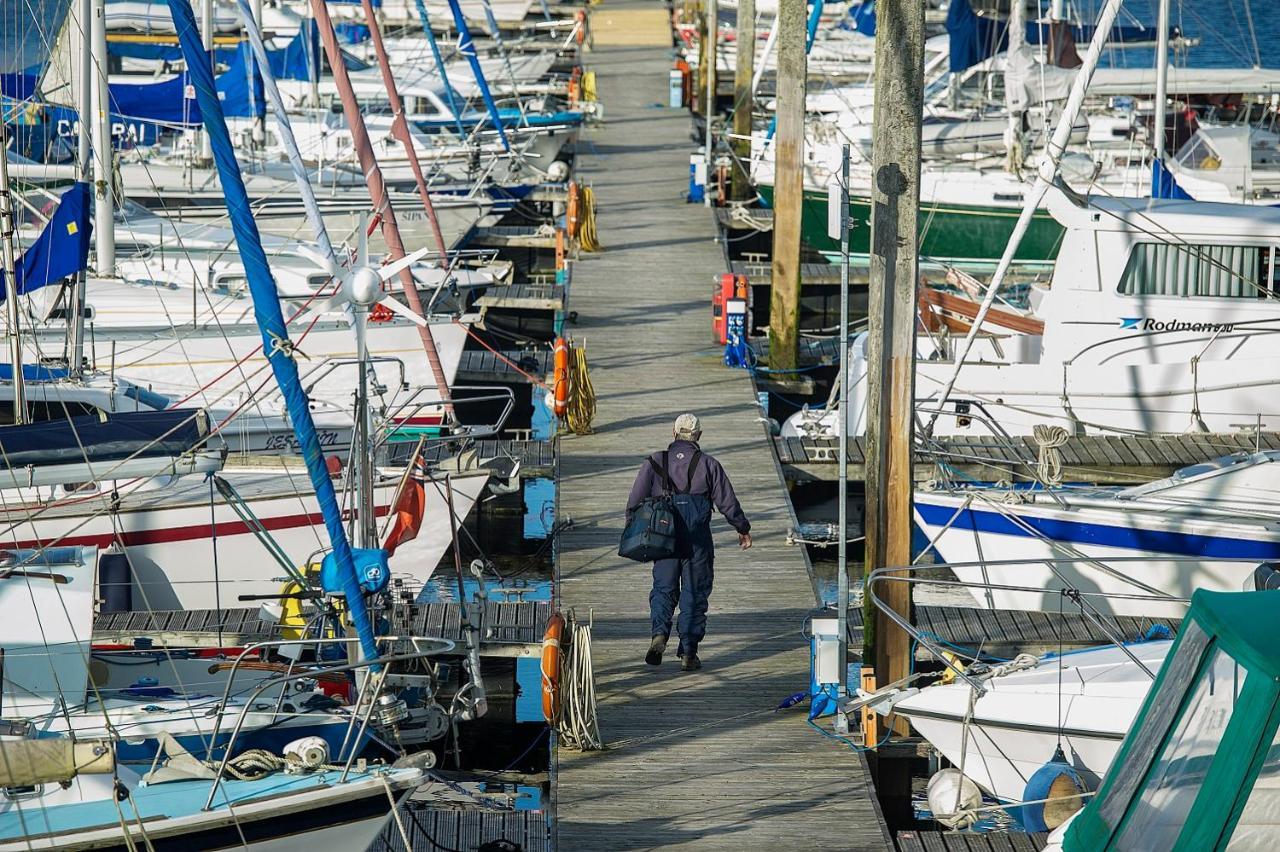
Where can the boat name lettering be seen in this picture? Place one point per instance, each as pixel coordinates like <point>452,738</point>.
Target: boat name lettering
<point>1151,324</point>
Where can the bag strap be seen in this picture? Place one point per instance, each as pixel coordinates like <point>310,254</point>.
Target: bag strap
<point>664,474</point>
<point>693,468</point>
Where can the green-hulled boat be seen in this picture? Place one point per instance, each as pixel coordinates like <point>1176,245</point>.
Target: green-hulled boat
<point>959,234</point>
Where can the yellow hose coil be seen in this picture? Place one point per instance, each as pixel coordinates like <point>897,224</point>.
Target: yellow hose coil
<point>587,238</point>
<point>582,395</point>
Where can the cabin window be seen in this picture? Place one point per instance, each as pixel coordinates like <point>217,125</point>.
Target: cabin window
<point>1200,271</point>
<point>1164,801</point>
<point>39,412</point>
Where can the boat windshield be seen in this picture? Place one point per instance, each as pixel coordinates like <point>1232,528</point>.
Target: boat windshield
<point>1197,153</point>
<point>1161,808</point>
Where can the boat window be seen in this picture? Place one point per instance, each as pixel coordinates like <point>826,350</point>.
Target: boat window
<point>38,412</point>
<point>1164,802</point>
<point>1200,271</point>
<point>1197,153</point>
<point>1256,829</point>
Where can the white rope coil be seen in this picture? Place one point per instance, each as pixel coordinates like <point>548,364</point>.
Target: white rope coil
<point>577,725</point>
<point>1049,464</point>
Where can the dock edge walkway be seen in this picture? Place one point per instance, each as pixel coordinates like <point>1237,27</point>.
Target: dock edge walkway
<point>697,760</point>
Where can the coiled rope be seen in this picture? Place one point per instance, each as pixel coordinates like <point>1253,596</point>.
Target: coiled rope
<point>588,239</point>
<point>581,410</point>
<point>258,763</point>
<point>577,724</point>
<point>1049,462</point>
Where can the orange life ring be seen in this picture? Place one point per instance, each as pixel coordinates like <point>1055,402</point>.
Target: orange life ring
<point>560,382</point>
<point>581,18</point>
<point>571,210</point>
<point>551,667</point>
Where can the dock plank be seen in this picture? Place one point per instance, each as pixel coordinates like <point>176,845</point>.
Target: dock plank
<point>698,760</point>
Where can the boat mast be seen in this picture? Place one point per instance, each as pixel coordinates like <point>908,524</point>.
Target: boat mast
<point>103,157</point>
<point>377,189</point>
<point>206,39</point>
<point>260,122</point>
<point>1046,174</point>
<point>1013,134</point>
<point>81,17</point>
<point>7,255</point>
<point>1162,88</point>
<point>400,128</point>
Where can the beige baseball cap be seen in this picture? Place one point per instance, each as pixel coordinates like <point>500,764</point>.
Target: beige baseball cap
<point>688,426</point>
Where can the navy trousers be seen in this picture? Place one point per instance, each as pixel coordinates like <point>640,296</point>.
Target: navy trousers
<point>685,581</point>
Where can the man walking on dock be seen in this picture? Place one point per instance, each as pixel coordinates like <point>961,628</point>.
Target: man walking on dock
<point>698,482</point>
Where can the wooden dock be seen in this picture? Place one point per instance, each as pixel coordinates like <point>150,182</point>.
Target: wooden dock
<point>964,841</point>
<point>509,628</point>
<point>698,760</point>
<point>1007,633</point>
<point>1101,459</point>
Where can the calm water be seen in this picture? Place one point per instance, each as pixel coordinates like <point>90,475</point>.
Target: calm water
<point>1222,26</point>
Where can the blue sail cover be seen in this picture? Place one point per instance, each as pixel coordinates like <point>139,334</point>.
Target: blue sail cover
<point>862,18</point>
<point>172,102</point>
<point>974,38</point>
<point>300,58</point>
<point>1164,184</point>
<point>297,60</point>
<point>270,318</point>
<point>62,249</point>
<point>349,32</point>
<point>157,52</point>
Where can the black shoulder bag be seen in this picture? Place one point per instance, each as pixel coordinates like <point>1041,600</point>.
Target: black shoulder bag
<point>650,533</point>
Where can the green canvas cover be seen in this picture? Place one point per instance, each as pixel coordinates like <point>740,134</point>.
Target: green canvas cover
<point>1204,737</point>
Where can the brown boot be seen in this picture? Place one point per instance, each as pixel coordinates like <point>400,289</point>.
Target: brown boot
<point>656,647</point>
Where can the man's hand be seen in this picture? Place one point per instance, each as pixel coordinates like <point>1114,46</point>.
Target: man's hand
<point>744,540</point>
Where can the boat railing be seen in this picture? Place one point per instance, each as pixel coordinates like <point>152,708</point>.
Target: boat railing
<point>1085,600</point>
<point>329,366</point>
<point>411,407</point>
<point>436,646</point>
<point>976,410</point>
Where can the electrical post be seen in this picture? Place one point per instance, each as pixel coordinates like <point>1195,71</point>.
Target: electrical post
<point>842,588</point>
<point>743,100</point>
<point>788,188</point>
<point>895,188</point>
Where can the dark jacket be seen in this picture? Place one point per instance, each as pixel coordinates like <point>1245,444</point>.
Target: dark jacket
<point>709,479</point>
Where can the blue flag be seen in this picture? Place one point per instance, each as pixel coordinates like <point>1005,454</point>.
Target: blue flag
<point>62,249</point>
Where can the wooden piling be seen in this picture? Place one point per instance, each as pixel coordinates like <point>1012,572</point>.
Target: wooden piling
<point>788,146</point>
<point>743,97</point>
<point>899,75</point>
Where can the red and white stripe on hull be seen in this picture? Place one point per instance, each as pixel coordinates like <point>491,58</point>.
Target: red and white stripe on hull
<point>188,549</point>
